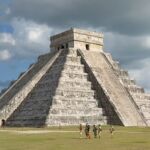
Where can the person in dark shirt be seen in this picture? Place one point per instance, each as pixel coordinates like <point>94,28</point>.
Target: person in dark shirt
<point>80,129</point>
<point>95,131</point>
<point>87,131</point>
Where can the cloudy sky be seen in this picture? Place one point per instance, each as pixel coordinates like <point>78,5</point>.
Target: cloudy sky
<point>25,27</point>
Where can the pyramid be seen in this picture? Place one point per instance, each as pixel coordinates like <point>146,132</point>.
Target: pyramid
<point>77,82</point>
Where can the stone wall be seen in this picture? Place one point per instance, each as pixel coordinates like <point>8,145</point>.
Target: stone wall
<point>77,38</point>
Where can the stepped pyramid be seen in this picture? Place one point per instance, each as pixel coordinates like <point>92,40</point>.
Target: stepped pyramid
<point>77,82</point>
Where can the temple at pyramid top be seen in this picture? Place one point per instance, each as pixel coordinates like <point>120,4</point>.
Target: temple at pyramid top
<point>77,38</point>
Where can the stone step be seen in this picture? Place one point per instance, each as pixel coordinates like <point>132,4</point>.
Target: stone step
<point>44,57</point>
<point>24,114</point>
<point>126,81</point>
<point>70,93</point>
<point>38,99</point>
<point>27,118</point>
<point>63,102</point>
<point>141,96</point>
<point>121,73</point>
<point>116,65</point>
<point>35,119</point>
<point>80,99</point>
<point>73,76</point>
<point>66,84</point>
<point>56,73</point>
<point>68,67</point>
<point>71,103</point>
<point>142,102</point>
<point>30,112</point>
<point>67,59</point>
<point>76,116</point>
<point>25,123</point>
<point>79,73</point>
<point>98,115</point>
<point>69,52</point>
<point>148,121</point>
<point>40,94</point>
<point>73,68</point>
<point>76,120</point>
<point>147,96</point>
<point>74,104</point>
<point>125,78</point>
<point>62,90</point>
<point>64,77</point>
<point>146,113</point>
<point>33,108</point>
<point>134,88</point>
<point>59,120</point>
<point>75,93</point>
<point>30,116</point>
<point>56,111</point>
<point>78,111</point>
<point>73,59</point>
<point>34,102</point>
<point>75,84</point>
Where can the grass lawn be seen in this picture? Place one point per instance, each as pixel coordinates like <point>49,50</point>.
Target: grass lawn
<point>125,138</point>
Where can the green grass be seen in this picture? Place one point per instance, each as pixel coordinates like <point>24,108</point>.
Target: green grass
<point>125,138</point>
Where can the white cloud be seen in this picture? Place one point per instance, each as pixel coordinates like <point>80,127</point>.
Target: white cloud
<point>5,55</point>
<point>146,42</point>
<point>7,38</point>
<point>142,75</point>
<point>34,34</point>
<point>30,38</point>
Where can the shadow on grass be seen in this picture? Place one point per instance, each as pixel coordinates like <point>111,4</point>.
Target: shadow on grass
<point>78,138</point>
<point>51,139</point>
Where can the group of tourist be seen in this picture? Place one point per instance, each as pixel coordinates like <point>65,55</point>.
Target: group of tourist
<point>97,130</point>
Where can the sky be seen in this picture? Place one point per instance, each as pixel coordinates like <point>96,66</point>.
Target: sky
<point>26,25</point>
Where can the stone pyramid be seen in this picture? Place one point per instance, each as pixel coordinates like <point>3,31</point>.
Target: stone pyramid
<point>77,82</point>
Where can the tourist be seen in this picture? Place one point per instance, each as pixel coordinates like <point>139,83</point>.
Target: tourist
<point>99,131</point>
<point>111,130</point>
<point>80,129</point>
<point>3,123</point>
<point>95,131</point>
<point>87,131</point>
